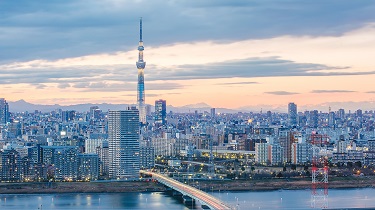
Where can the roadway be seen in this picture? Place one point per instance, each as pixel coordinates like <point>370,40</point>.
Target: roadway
<point>203,197</point>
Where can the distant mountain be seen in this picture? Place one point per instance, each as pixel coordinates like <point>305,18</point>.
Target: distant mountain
<point>197,106</point>
<point>22,106</point>
<point>265,108</point>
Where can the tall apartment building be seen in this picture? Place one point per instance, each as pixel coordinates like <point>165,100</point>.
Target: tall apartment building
<point>301,153</point>
<point>123,140</point>
<point>10,166</point>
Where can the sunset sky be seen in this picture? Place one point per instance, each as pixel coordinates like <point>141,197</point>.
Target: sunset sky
<point>224,53</point>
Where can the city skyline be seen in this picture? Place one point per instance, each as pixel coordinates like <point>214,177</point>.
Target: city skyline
<point>313,54</point>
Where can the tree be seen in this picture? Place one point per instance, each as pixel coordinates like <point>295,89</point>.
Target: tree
<point>279,175</point>
<point>293,167</point>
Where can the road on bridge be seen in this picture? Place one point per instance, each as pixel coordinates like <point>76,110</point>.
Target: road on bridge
<point>199,195</point>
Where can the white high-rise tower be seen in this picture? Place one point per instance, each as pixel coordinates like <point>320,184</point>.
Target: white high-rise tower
<point>141,82</point>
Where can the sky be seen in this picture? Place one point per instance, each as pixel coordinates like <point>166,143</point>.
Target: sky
<point>230,54</point>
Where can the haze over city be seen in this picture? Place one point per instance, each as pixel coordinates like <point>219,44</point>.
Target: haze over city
<point>226,54</point>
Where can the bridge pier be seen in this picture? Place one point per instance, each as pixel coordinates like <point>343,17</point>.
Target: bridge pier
<point>205,207</point>
<point>176,193</point>
<point>188,200</point>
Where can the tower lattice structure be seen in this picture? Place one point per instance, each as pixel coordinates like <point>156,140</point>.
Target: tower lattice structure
<point>319,171</point>
<point>141,64</point>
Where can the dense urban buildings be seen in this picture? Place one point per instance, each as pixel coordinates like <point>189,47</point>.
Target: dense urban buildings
<point>69,145</point>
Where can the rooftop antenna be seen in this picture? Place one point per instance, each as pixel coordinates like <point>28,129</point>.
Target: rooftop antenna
<point>140,29</point>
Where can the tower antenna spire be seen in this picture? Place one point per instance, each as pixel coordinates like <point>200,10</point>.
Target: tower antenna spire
<point>140,29</point>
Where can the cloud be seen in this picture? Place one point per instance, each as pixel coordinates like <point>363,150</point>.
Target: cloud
<point>63,85</point>
<point>252,68</point>
<point>281,93</point>
<point>61,29</point>
<point>40,86</point>
<point>333,91</point>
<point>370,92</point>
<point>238,83</point>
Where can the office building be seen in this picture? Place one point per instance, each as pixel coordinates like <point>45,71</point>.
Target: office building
<point>123,140</point>
<point>292,114</point>
<point>160,111</point>
<point>4,111</point>
<point>213,112</point>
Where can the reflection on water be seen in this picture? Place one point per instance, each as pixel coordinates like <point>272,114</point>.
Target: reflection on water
<point>156,200</point>
<point>299,199</point>
<point>285,199</point>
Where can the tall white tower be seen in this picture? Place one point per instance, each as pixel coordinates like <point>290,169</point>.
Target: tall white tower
<point>141,82</point>
<point>123,136</point>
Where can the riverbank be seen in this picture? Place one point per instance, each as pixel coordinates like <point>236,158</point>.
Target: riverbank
<point>207,185</point>
<point>283,184</point>
<point>79,187</point>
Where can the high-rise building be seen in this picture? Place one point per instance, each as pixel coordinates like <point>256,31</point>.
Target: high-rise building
<point>147,157</point>
<point>301,153</point>
<point>341,113</point>
<point>88,167</point>
<point>286,139</point>
<point>10,162</point>
<point>160,111</point>
<point>331,119</point>
<point>313,119</point>
<point>4,111</point>
<point>141,83</point>
<point>292,114</point>
<point>213,113</point>
<point>123,140</point>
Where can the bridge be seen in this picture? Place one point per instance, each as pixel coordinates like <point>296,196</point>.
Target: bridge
<point>204,198</point>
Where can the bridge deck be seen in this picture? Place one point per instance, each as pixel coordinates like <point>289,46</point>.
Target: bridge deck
<point>197,194</point>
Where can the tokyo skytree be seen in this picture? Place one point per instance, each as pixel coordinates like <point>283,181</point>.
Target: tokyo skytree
<point>141,64</point>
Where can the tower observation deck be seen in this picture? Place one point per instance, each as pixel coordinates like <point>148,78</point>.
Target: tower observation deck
<point>141,64</point>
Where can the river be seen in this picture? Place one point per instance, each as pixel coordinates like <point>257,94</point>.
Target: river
<point>285,199</point>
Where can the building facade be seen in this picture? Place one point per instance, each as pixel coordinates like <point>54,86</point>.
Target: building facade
<point>160,112</point>
<point>4,111</point>
<point>123,140</point>
<point>292,114</point>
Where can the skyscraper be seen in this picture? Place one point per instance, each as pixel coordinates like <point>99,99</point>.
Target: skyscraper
<point>123,136</point>
<point>313,119</point>
<point>4,111</point>
<point>141,83</point>
<point>292,114</point>
<point>160,111</point>
<point>213,112</point>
